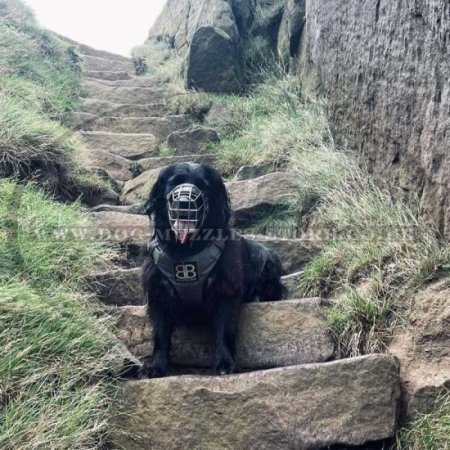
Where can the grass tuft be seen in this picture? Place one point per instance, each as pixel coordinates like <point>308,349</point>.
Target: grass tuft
<point>429,431</point>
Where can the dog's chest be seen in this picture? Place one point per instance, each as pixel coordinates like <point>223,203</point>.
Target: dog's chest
<point>188,274</point>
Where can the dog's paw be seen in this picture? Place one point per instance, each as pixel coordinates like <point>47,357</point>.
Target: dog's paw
<point>224,365</point>
<point>152,370</point>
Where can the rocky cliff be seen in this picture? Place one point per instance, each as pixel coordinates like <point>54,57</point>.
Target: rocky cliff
<point>384,68</point>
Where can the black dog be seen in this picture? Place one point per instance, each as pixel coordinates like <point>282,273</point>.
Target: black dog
<point>197,267</point>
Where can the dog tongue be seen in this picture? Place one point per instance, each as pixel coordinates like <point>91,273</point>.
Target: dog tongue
<point>183,236</point>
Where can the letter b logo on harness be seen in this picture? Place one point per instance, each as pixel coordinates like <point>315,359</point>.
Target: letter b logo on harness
<point>185,273</point>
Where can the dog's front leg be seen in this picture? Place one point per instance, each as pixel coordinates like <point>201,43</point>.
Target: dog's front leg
<point>225,325</point>
<point>158,365</point>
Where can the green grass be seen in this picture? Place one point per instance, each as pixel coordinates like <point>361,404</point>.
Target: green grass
<point>55,385</point>
<point>40,81</point>
<point>156,59</point>
<point>429,431</point>
<point>56,382</point>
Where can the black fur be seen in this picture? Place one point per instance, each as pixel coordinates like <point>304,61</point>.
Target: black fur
<point>239,276</point>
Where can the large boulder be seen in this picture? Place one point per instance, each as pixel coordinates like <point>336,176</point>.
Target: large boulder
<point>350,402</point>
<point>213,62</point>
<point>251,199</point>
<point>180,19</point>
<point>271,334</point>
<point>155,163</point>
<point>385,69</point>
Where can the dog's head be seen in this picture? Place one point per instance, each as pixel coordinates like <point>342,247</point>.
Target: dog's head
<point>187,198</point>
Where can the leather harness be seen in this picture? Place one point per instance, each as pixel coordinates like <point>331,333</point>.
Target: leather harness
<point>187,274</point>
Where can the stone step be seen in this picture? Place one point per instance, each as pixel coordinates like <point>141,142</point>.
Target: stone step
<point>122,287</point>
<point>102,108</point>
<point>90,62</point>
<point>162,161</point>
<point>128,82</point>
<point>119,94</point>
<point>120,228</point>
<point>117,167</point>
<point>106,75</point>
<point>348,402</point>
<point>160,127</point>
<point>133,146</point>
<point>271,334</point>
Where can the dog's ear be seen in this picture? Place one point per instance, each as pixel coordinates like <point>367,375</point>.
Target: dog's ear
<point>156,196</point>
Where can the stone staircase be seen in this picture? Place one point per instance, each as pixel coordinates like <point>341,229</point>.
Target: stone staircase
<point>290,393</point>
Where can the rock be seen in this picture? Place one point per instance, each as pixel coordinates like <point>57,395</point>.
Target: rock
<point>116,166</point>
<point>107,65</point>
<point>157,163</point>
<point>387,84</point>
<point>120,361</point>
<point>249,172</point>
<point>251,199</point>
<point>180,19</point>
<point>313,406</point>
<point>160,127</point>
<point>218,116</point>
<point>292,28</point>
<point>119,227</point>
<point>294,253</point>
<point>271,334</point>
<point>129,145</point>
<point>423,348</point>
<point>102,91</point>
<point>136,82</point>
<point>213,62</point>
<point>105,75</point>
<point>192,141</point>
<point>119,287</point>
<point>243,13</point>
<point>138,188</point>
<point>102,108</point>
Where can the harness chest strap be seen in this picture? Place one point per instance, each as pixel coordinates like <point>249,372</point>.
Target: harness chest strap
<point>187,274</point>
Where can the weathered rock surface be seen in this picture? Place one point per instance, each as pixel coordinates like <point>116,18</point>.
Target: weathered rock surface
<point>271,334</point>
<point>213,62</point>
<point>127,209</point>
<point>102,108</point>
<point>156,163</point>
<point>313,406</point>
<point>118,227</point>
<point>423,348</point>
<point>129,145</point>
<point>194,140</point>
<point>160,127</point>
<point>387,80</point>
<point>116,166</point>
<point>252,198</point>
<point>121,287</point>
